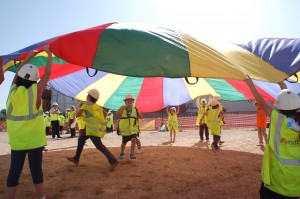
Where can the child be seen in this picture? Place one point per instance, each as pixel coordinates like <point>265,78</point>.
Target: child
<point>61,123</point>
<point>94,119</point>
<point>172,122</point>
<point>25,123</point>
<point>128,125</point>
<point>54,116</point>
<point>261,123</point>
<point>72,121</point>
<point>201,110</point>
<point>213,115</point>
<point>109,122</point>
<point>281,160</point>
<point>47,122</point>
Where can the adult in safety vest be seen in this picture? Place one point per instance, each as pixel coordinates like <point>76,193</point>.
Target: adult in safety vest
<point>128,125</point>
<point>213,115</point>
<point>54,116</point>
<point>72,120</point>
<point>25,123</point>
<point>94,120</point>
<point>202,108</point>
<point>281,161</point>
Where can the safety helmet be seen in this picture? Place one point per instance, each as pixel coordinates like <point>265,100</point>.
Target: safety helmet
<point>128,96</point>
<point>203,100</point>
<point>54,103</point>
<point>29,72</point>
<point>214,102</point>
<point>94,93</point>
<point>216,97</point>
<point>287,100</point>
<point>173,108</point>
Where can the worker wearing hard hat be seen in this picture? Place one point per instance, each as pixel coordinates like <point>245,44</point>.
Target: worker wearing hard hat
<point>128,125</point>
<point>54,116</point>
<point>281,161</point>
<point>95,128</point>
<point>25,123</point>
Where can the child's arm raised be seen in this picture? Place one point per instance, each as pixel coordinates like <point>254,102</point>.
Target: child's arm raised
<point>46,76</point>
<point>259,99</point>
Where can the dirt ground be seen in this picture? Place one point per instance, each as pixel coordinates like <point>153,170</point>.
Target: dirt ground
<point>185,169</point>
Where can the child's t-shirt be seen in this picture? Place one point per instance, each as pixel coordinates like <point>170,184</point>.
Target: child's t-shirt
<point>292,124</point>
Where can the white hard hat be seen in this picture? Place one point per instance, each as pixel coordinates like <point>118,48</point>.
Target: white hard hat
<point>29,72</point>
<point>203,100</point>
<point>94,93</point>
<point>55,103</point>
<point>173,108</point>
<point>287,100</point>
<point>216,97</point>
<point>214,102</point>
<point>128,96</point>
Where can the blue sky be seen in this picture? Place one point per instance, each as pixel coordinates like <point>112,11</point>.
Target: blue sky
<point>26,22</point>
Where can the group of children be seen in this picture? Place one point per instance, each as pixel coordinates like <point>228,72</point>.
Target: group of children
<point>25,124</point>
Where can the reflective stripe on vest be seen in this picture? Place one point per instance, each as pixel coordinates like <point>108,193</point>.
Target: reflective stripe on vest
<point>25,121</point>
<point>283,161</point>
<point>30,116</point>
<point>94,119</point>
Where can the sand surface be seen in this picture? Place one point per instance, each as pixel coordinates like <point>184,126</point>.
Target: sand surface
<point>185,169</point>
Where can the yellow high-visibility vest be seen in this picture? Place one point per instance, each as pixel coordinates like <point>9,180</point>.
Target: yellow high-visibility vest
<point>129,125</point>
<point>201,111</point>
<point>281,161</point>
<point>94,119</point>
<point>213,121</point>
<point>25,122</point>
<point>47,121</point>
<point>71,115</point>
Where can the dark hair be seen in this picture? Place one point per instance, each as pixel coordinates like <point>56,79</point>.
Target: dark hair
<point>24,82</point>
<point>214,107</point>
<point>289,113</point>
<point>92,99</point>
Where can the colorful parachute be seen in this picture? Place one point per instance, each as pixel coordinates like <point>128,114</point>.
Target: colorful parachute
<point>154,93</point>
<point>147,51</point>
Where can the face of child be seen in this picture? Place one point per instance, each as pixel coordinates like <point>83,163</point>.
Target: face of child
<point>172,111</point>
<point>129,102</point>
<point>203,104</point>
<point>71,108</point>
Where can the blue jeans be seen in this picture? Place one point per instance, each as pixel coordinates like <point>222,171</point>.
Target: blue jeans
<point>35,158</point>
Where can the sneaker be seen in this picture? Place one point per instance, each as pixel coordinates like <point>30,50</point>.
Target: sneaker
<point>132,156</point>
<point>139,151</point>
<point>113,166</point>
<point>221,142</point>
<point>260,144</point>
<point>122,156</point>
<point>213,148</point>
<point>71,159</point>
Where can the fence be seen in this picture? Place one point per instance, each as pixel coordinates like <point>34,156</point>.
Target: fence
<point>189,122</point>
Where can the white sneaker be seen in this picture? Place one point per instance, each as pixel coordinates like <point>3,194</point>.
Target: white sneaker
<point>139,151</point>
